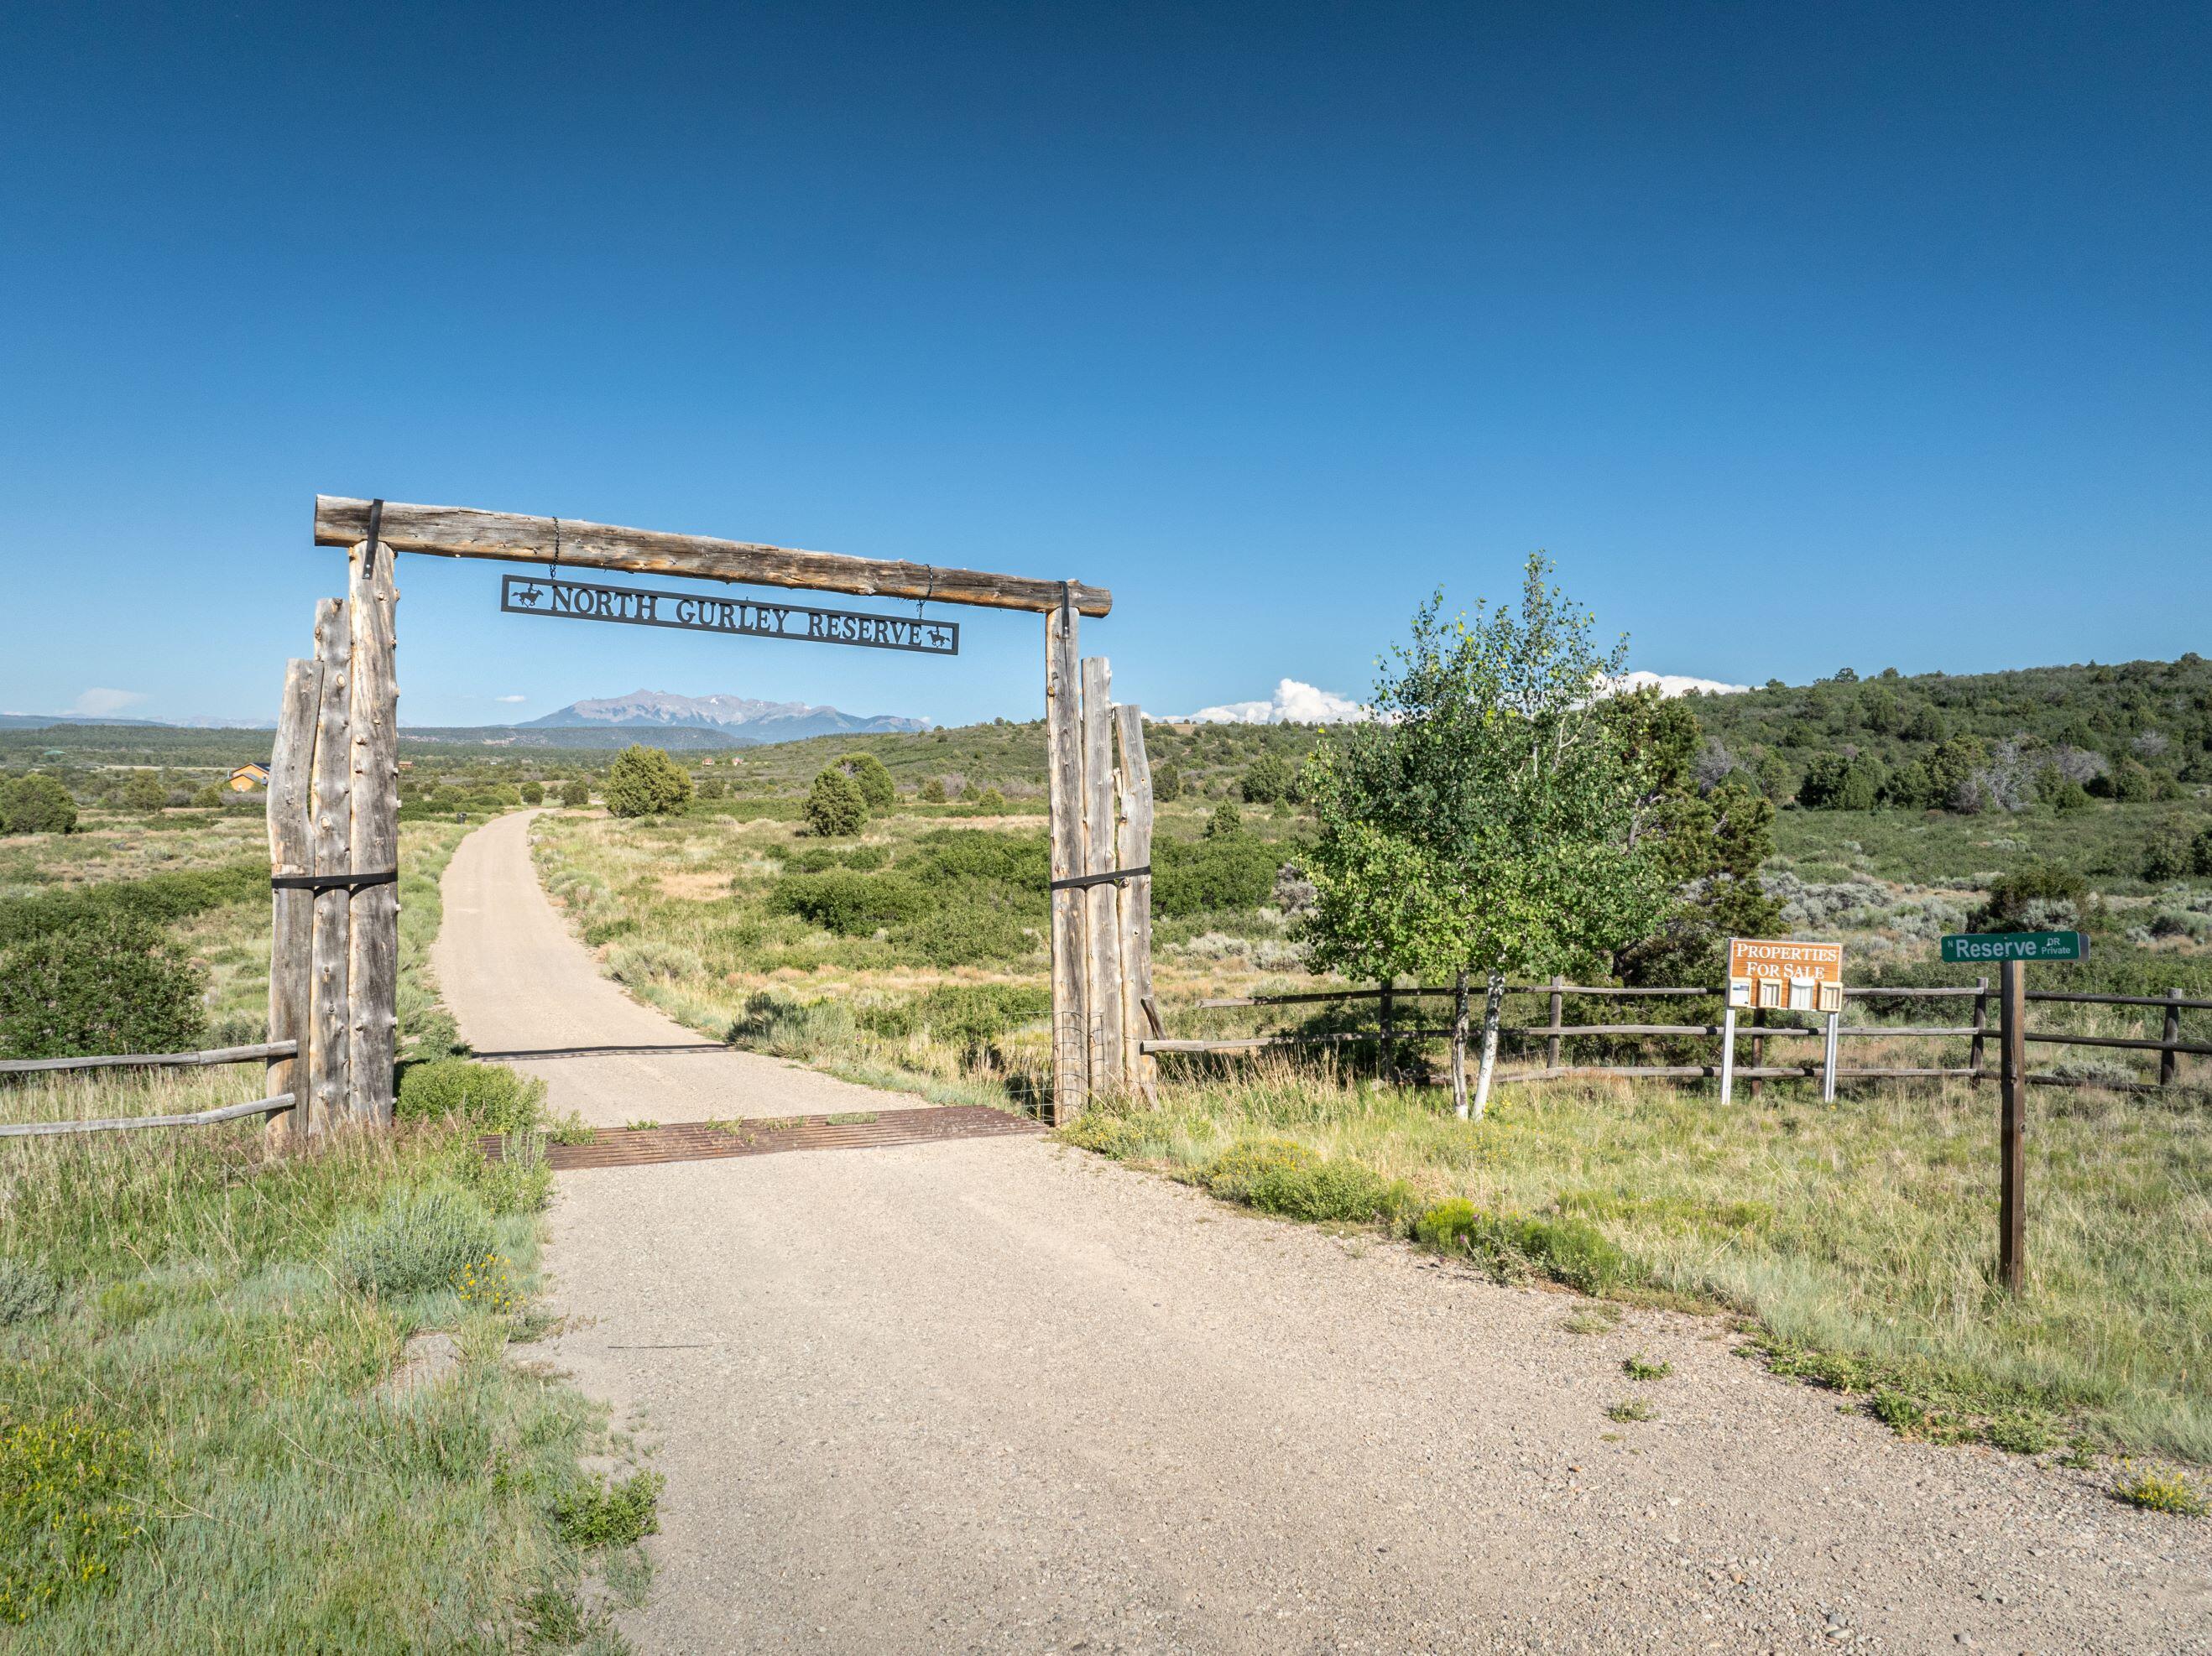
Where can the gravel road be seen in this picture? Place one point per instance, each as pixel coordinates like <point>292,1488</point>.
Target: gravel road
<point>1005,1396</point>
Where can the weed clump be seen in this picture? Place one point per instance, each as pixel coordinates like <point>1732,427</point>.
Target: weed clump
<point>1641,1367</point>
<point>26,1292</point>
<point>2159,1491</point>
<point>487,1095</point>
<point>1107,1132</point>
<point>1234,1173</point>
<point>1565,1249</point>
<point>68,1508</point>
<point>609,1513</point>
<point>419,1240</point>
<point>1631,1409</point>
<point>1334,1190</point>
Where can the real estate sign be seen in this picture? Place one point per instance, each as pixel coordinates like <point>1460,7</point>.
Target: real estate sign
<point>1971,948</point>
<point>1785,975</point>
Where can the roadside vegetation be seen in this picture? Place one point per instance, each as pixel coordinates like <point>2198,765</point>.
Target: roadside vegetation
<point>271,1401</point>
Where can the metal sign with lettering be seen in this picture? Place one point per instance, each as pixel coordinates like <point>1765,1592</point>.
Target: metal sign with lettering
<point>1968,948</point>
<point>693,612</point>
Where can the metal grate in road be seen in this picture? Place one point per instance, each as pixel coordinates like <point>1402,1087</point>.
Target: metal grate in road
<point>701,1141</point>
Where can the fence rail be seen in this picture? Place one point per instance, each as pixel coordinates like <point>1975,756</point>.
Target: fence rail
<point>122,1124</point>
<point>272,1049</point>
<point>1387,1034</point>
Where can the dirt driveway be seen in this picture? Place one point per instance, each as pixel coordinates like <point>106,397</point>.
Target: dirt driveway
<point>1003,1397</point>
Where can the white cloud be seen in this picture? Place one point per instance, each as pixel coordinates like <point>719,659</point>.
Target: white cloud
<point>510,699</point>
<point>1672,684</point>
<point>105,704</point>
<point>1293,703</point>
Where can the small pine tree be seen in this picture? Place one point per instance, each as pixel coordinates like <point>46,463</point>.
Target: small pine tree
<point>143,792</point>
<point>1267,780</point>
<point>209,797</point>
<point>1167,784</point>
<point>646,782</point>
<point>876,789</point>
<point>534,793</point>
<point>835,807</point>
<point>992,799</point>
<point>932,791</point>
<point>1227,822</point>
<point>575,791</point>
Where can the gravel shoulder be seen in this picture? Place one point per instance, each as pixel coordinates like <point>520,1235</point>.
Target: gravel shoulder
<point>1006,1396</point>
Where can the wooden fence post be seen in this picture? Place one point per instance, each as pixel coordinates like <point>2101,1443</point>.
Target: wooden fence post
<point>373,962</point>
<point>1976,1057</point>
<point>1388,1066</point>
<point>1459,1046</point>
<point>1133,785</point>
<point>2012,1153</point>
<point>1102,930</point>
<point>1071,1064</point>
<point>326,1050</point>
<point>291,911</point>
<point>2169,1061</point>
<point>1558,1007</point>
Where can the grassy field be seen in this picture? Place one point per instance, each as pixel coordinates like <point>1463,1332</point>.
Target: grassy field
<point>1855,1241</point>
<point>202,1446</point>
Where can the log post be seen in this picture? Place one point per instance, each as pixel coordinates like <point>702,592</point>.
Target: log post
<point>1102,930</point>
<point>1071,1067</point>
<point>1758,1049</point>
<point>1134,785</point>
<point>2011,1123</point>
<point>2169,1061</point>
<point>1976,1057</point>
<point>333,823</point>
<point>372,965</point>
<point>1388,1066</point>
<point>292,912</point>
<point>1558,1007</point>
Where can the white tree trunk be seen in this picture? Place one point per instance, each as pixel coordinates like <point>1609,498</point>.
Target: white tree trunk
<point>1493,1003</point>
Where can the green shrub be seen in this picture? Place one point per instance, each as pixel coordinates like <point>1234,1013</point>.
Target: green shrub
<point>605,1513</point>
<point>1167,784</point>
<point>868,774</point>
<point>113,985</point>
<point>534,793</point>
<point>850,904</point>
<point>210,797</point>
<point>2038,896</point>
<point>158,900</point>
<point>1107,1132</point>
<point>575,793</point>
<point>834,805</point>
<point>520,1181</point>
<point>70,1505</point>
<point>646,782</point>
<point>1565,1249</point>
<point>1335,1190</point>
<point>25,1291</point>
<point>1227,872</point>
<point>419,1240</point>
<point>967,1015</point>
<point>991,799</point>
<point>143,791</point>
<point>36,804</point>
<point>1227,822</point>
<point>1267,780</point>
<point>1646,1368</point>
<point>489,1096</point>
<point>931,792</point>
<point>1232,1173</point>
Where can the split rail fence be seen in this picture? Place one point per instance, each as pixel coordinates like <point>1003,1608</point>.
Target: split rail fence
<point>1388,1035</point>
<point>274,1107</point>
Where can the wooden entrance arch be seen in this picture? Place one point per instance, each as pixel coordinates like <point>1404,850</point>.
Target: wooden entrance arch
<point>334,797</point>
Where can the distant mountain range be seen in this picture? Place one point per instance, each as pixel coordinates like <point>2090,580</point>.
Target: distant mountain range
<point>738,720</point>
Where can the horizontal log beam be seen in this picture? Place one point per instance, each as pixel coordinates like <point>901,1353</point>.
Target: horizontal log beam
<point>453,531</point>
<point>123,1124</point>
<point>23,1066</point>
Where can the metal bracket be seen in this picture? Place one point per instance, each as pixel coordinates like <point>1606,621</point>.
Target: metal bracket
<point>1111,874</point>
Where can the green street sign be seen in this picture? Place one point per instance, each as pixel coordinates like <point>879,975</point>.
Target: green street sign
<point>1971,948</point>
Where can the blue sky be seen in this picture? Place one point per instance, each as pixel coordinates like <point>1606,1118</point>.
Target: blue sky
<point>1801,336</point>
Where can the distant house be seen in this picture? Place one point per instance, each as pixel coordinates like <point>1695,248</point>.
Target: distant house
<point>246,778</point>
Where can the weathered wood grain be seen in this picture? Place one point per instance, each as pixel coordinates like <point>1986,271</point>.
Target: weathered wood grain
<point>1070,1061</point>
<point>332,822</point>
<point>1102,927</point>
<point>453,531</point>
<point>1133,786</point>
<point>373,731</point>
<point>291,850</point>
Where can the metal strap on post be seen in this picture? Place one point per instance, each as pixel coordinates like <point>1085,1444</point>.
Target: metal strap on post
<point>332,882</point>
<point>1111,875</point>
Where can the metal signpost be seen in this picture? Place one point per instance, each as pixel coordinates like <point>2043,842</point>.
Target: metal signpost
<point>2013,950</point>
<point>696,612</point>
<point>1784,975</point>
